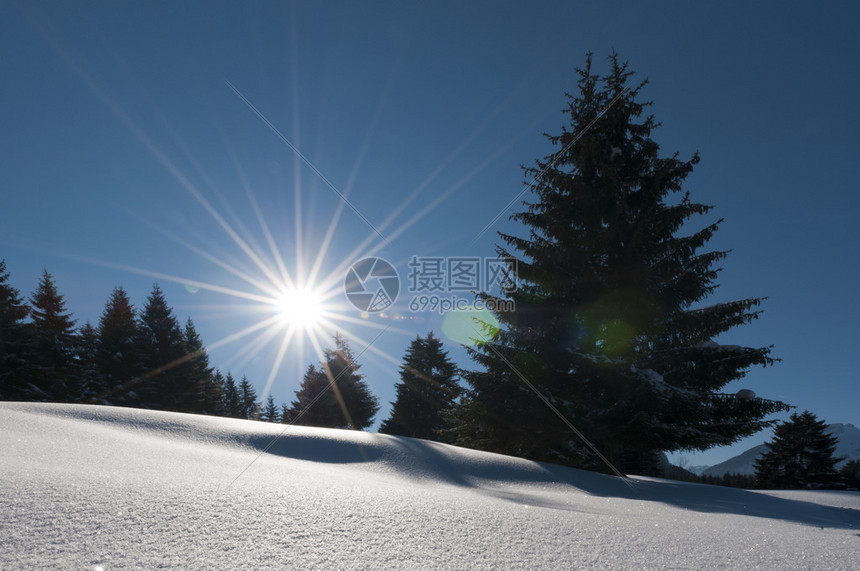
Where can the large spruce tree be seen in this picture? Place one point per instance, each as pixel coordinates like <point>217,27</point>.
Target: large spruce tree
<point>427,389</point>
<point>610,329</point>
<point>799,456</point>
<point>15,348</point>
<point>335,395</point>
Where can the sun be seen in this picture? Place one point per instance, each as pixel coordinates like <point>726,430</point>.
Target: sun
<point>301,308</point>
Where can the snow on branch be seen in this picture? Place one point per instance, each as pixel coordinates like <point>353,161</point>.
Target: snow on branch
<point>656,381</point>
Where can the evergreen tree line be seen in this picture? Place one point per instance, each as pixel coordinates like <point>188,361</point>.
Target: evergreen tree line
<point>334,394</point>
<point>144,359</point>
<point>137,359</point>
<point>141,359</point>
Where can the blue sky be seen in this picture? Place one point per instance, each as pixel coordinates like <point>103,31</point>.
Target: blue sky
<point>134,135</point>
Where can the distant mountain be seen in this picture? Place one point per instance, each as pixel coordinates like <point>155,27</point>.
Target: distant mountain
<point>673,472</point>
<point>848,446</point>
<point>740,464</point>
<point>698,470</point>
<point>849,441</point>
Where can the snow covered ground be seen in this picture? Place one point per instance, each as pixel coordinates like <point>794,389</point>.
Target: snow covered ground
<point>108,488</point>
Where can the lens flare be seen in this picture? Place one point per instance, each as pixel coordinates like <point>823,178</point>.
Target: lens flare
<point>470,326</point>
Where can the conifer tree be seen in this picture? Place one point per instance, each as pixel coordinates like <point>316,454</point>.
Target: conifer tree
<point>269,412</point>
<point>427,389</point>
<point>850,474</point>
<point>285,414</point>
<point>163,348</point>
<point>14,339</point>
<point>799,456</point>
<point>232,402</point>
<point>336,395</point>
<point>610,328</point>
<point>52,370</point>
<point>249,408</point>
<point>118,355</point>
<point>315,404</point>
<point>213,394</point>
<point>194,373</point>
<point>90,381</point>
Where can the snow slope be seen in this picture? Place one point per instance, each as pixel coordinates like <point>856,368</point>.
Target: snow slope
<point>109,488</point>
<point>847,447</point>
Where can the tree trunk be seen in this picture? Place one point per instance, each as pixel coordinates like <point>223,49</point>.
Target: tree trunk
<point>611,462</point>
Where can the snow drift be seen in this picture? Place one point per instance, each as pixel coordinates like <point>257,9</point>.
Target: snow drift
<point>110,488</point>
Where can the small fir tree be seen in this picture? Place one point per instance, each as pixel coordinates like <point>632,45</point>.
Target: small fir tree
<point>269,412</point>
<point>195,373</point>
<point>336,395</point>
<point>799,456</point>
<point>427,390</point>
<point>162,345</point>
<point>285,414</point>
<point>850,474</point>
<point>15,347</point>
<point>118,355</point>
<point>90,382</point>
<point>249,408</point>
<point>315,404</point>
<point>232,402</point>
<point>53,331</point>
<point>213,394</point>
